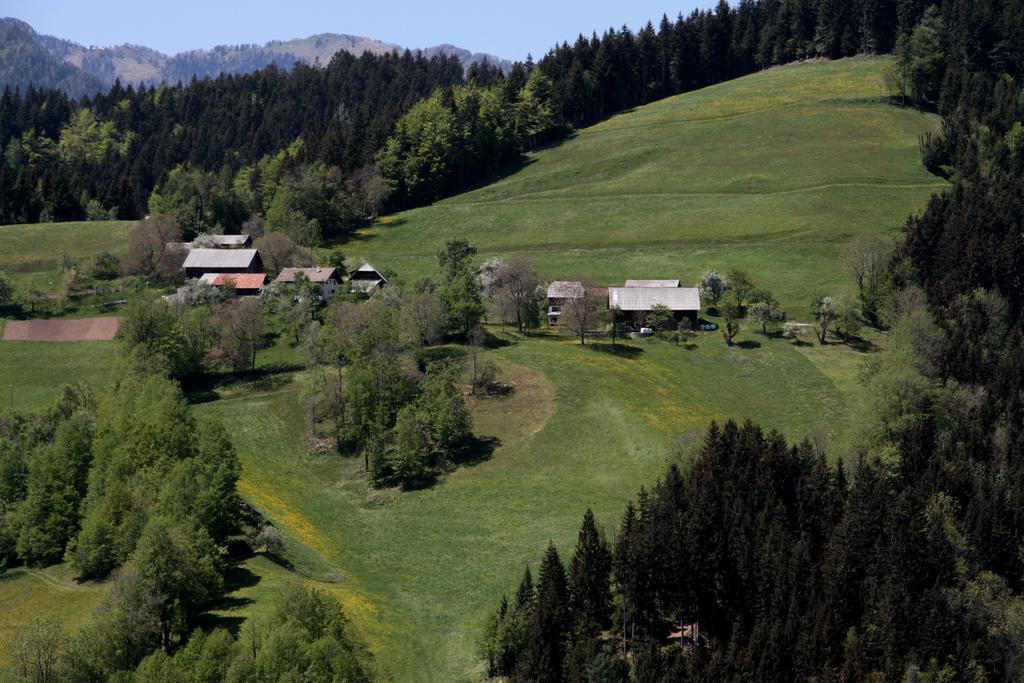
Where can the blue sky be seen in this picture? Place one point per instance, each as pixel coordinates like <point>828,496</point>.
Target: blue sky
<point>508,29</point>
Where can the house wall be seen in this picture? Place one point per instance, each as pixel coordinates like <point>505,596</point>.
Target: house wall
<point>554,318</point>
<point>637,319</point>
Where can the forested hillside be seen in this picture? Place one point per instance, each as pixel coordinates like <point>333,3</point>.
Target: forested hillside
<point>473,128</point>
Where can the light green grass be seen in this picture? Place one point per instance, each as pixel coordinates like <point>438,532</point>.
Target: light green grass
<point>419,570</point>
<point>31,254</point>
<point>36,370</point>
<point>53,592</point>
<point>772,173</point>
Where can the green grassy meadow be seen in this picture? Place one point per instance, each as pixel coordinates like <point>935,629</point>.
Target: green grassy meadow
<point>772,173</point>
<point>419,570</point>
<point>32,372</point>
<point>26,593</point>
<point>31,254</point>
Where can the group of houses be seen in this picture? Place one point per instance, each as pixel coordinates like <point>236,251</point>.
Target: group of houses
<point>631,303</point>
<point>233,263</point>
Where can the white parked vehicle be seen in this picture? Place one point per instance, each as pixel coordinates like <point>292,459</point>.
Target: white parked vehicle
<point>646,331</point>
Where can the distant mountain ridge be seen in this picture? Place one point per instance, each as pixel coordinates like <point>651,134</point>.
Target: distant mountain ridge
<point>47,61</point>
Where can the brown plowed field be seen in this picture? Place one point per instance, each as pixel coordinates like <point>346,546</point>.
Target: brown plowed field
<point>102,328</point>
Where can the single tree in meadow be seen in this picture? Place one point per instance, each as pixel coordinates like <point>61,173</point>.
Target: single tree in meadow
<point>240,325</point>
<point>765,310</point>
<point>6,289</point>
<point>731,315</point>
<point>515,289</point>
<point>866,259</point>
<point>823,311</point>
<point>741,285</point>
<point>848,320</point>
<point>712,286</point>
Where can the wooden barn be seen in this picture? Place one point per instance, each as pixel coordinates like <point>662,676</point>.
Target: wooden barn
<point>635,302</point>
<point>202,261</point>
<point>366,279</point>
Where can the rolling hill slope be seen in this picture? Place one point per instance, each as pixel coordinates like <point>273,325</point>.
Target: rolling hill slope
<point>773,172</point>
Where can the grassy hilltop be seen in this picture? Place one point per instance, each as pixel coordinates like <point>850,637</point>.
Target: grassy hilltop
<point>772,173</point>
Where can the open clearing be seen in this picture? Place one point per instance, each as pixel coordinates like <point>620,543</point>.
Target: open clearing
<point>772,173</point>
<point>27,593</point>
<point>102,328</point>
<point>32,254</point>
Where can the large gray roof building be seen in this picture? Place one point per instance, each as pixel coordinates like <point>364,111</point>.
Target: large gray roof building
<point>645,298</point>
<point>200,261</point>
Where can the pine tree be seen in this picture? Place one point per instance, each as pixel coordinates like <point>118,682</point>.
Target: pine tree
<point>589,580</point>
<point>545,642</point>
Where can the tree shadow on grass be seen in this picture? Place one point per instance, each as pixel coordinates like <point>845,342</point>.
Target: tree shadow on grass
<point>862,345</point>
<point>206,388</point>
<point>748,344</point>
<point>478,450</point>
<point>618,350</point>
<point>209,622</point>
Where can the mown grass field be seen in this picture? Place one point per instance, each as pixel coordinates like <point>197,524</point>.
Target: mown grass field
<point>31,254</point>
<point>32,372</point>
<point>772,173</point>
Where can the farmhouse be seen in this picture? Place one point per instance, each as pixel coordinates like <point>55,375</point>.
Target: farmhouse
<point>366,279</point>
<point>202,261</point>
<point>559,293</point>
<point>636,302</point>
<point>327,278</point>
<point>245,284</point>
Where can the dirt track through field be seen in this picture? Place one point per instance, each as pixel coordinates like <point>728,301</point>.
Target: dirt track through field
<point>102,328</point>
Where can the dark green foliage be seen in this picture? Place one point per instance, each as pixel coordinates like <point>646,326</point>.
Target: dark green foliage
<point>549,625</point>
<point>589,580</point>
<point>432,129</point>
<point>55,487</point>
<point>148,452</point>
<point>155,340</point>
<point>348,108</point>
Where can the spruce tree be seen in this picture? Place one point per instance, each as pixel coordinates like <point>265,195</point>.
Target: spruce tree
<point>590,580</point>
<point>545,642</point>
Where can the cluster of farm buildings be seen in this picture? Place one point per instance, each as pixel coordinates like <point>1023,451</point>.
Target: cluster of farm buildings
<point>232,262</point>
<point>631,303</point>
